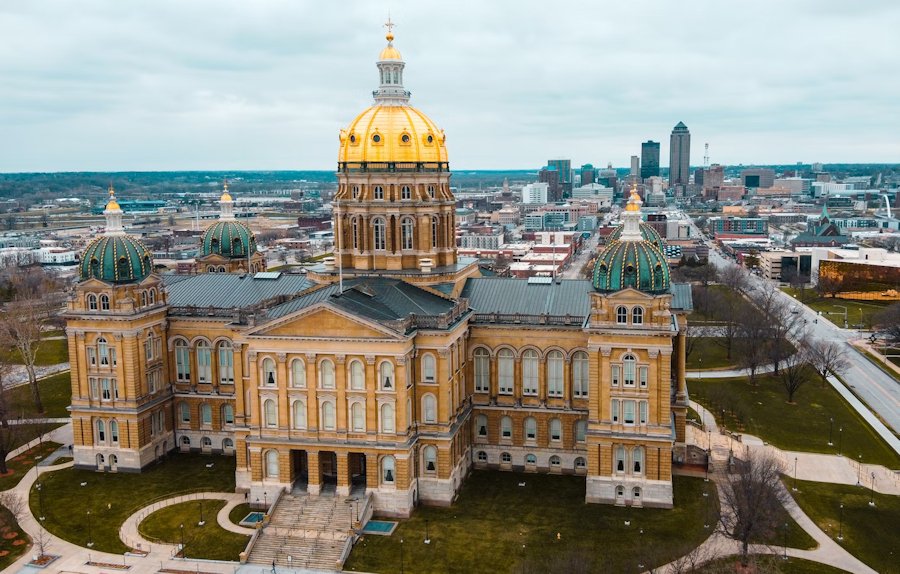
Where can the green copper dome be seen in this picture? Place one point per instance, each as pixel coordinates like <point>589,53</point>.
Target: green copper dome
<point>227,238</point>
<point>115,259</point>
<point>648,232</point>
<point>637,264</point>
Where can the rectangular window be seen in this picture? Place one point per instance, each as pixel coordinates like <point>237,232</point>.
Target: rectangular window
<point>115,386</point>
<point>555,377</point>
<point>530,376</point>
<point>506,369</point>
<point>614,410</point>
<point>153,381</point>
<point>112,356</point>
<point>95,388</point>
<point>642,374</point>
<point>628,416</point>
<point>615,375</point>
<point>482,373</point>
<point>185,413</point>
<point>92,356</point>
<point>182,364</point>
<point>148,349</point>
<point>106,390</point>
<point>628,378</point>
<point>644,409</point>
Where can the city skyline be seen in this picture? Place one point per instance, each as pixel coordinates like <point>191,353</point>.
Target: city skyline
<point>107,87</point>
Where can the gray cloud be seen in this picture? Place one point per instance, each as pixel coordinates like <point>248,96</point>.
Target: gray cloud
<point>169,84</point>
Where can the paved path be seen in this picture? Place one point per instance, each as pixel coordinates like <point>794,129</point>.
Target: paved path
<point>18,375</point>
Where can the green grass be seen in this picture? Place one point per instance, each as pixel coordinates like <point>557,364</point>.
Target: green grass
<point>769,564</point>
<point>50,352</point>
<point>870,533</point>
<point>796,536</point>
<point>763,411</point>
<point>833,309</point>
<point>692,414</point>
<point>125,493</point>
<point>9,550</point>
<point>209,541</point>
<point>496,526</point>
<point>21,464</point>
<point>238,513</point>
<point>710,353</point>
<point>56,394</point>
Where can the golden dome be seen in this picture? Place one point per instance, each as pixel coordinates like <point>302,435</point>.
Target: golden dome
<point>112,204</point>
<point>390,52</point>
<point>634,202</point>
<point>225,195</point>
<point>392,133</point>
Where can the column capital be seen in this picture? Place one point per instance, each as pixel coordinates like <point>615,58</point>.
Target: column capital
<point>370,359</point>
<point>281,357</point>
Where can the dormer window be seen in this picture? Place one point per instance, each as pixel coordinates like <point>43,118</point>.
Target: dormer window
<point>621,315</point>
<point>378,192</point>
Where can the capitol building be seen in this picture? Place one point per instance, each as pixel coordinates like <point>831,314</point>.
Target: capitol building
<point>392,369</point>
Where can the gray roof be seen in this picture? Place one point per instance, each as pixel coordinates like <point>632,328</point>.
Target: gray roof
<point>512,296</point>
<point>682,299</point>
<point>230,290</point>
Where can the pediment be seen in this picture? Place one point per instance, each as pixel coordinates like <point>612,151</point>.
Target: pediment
<point>324,320</point>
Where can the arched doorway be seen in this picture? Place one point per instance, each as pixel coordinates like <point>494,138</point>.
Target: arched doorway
<point>356,467</point>
<point>299,470</point>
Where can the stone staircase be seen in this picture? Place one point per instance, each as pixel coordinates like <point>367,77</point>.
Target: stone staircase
<point>310,530</point>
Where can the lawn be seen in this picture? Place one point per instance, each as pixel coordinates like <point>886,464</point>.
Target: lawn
<point>858,312</point>
<point>796,536</point>
<point>113,497</point>
<point>870,533</point>
<point>21,464</point>
<point>763,411</point>
<point>772,564</point>
<point>238,513</point>
<point>497,526</point>
<point>209,541</point>
<point>710,353</point>
<point>50,352</point>
<point>56,394</point>
<point>13,540</point>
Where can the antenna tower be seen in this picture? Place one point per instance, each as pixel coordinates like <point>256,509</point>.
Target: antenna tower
<point>706,155</point>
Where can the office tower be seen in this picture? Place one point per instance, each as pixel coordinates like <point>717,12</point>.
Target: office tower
<point>679,156</point>
<point>588,174</point>
<point>551,177</point>
<point>635,167</point>
<point>649,159</point>
<point>564,168</point>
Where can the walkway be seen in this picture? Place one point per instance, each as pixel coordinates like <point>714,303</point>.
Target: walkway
<point>815,467</point>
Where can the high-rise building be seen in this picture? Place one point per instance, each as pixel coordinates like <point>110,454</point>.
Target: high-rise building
<point>564,168</point>
<point>551,176</point>
<point>679,155</point>
<point>649,159</point>
<point>535,193</point>
<point>608,176</point>
<point>635,167</point>
<point>588,174</point>
<point>758,177</point>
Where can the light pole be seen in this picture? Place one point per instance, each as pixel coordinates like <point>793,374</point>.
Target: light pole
<point>401,556</point>
<point>784,557</point>
<point>840,441</point>
<point>202,522</point>
<point>266,501</point>
<point>794,486</point>
<point>859,470</point>
<point>706,497</point>
<point>428,538</point>
<point>841,524</point>
<point>830,431</point>
<point>181,527</point>
<point>872,491</point>
<point>90,533</point>
<point>40,490</point>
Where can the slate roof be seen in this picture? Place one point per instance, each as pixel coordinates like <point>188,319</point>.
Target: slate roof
<point>682,299</point>
<point>230,290</point>
<point>511,296</point>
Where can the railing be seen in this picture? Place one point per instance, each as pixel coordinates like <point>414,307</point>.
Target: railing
<point>519,318</point>
<point>362,166</point>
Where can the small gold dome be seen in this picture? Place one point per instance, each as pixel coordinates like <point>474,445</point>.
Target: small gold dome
<point>392,134</point>
<point>112,204</point>
<point>225,195</point>
<point>634,202</point>
<point>390,52</point>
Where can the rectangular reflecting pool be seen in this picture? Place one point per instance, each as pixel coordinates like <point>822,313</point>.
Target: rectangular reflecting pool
<point>379,527</point>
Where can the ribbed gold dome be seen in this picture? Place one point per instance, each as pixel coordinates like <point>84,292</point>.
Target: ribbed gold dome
<point>390,53</point>
<point>392,133</point>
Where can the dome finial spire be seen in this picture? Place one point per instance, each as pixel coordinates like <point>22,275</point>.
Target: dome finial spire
<point>631,217</point>
<point>113,213</point>
<point>390,29</point>
<point>226,203</point>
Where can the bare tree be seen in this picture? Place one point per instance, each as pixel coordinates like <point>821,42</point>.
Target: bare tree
<point>888,322</point>
<point>827,358</point>
<point>782,322</point>
<point>729,307</point>
<point>795,371</point>
<point>752,501</point>
<point>734,277</point>
<point>829,285</point>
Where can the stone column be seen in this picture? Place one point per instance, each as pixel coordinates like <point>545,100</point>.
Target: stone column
<point>681,365</point>
<point>371,404</point>
<point>284,407</point>
<point>343,474</point>
<point>312,401</point>
<point>340,384</point>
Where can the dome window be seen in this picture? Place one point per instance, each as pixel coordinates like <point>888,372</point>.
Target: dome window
<point>629,269</point>
<point>376,138</point>
<point>429,139</point>
<point>353,138</point>
<point>123,267</point>
<point>404,138</point>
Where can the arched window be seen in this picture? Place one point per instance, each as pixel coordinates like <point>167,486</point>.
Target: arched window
<point>326,374</point>
<point>355,191</point>
<point>620,459</point>
<point>482,456</point>
<point>621,315</point>
<point>636,493</point>
<point>354,226</point>
<point>205,414</point>
<point>357,376</point>
<point>580,430</point>
<point>628,368</point>
<point>530,428</point>
<point>637,316</point>
<point>387,470</point>
<point>299,414</point>
<point>620,492</point>
<point>406,233</point>
<point>434,231</point>
<point>405,192</point>
<point>104,302</point>
<point>182,361</point>
<point>431,191</point>
<point>378,192</point>
<point>580,374</point>
<point>328,415</point>
<point>378,239</point>
<point>227,444</point>
<point>298,373</point>
<point>429,408</point>
<point>204,362</point>
<point>206,442</point>
<point>428,368</point>
<point>103,351</point>
<point>505,370</point>
<point>482,360</point>
<point>555,461</point>
<point>358,417</point>
<point>226,363</point>
<point>505,458</point>
<point>152,296</point>
<point>272,464</point>
<point>270,413</point>
<point>185,412</point>
<point>555,429</point>
<point>637,460</point>
<point>387,418</point>
<point>430,456</point>
<point>92,302</point>
<point>555,374</point>
<point>269,374</point>
<point>143,298</point>
<point>386,370</point>
<point>530,372</point>
<point>580,464</point>
<point>228,415</point>
<point>481,423</point>
<point>530,460</point>
<point>506,428</point>
<point>101,431</point>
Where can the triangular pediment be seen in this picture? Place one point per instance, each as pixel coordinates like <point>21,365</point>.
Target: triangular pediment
<point>630,293</point>
<point>324,320</point>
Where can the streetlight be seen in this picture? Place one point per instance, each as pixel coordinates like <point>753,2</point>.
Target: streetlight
<point>706,497</point>
<point>872,491</point>
<point>41,499</point>
<point>794,486</point>
<point>840,441</point>
<point>841,524</point>
<point>266,500</point>
<point>428,538</point>
<point>90,533</point>
<point>401,556</point>
<point>830,431</point>
<point>859,470</point>
<point>785,541</point>
<point>181,526</point>
<point>202,522</point>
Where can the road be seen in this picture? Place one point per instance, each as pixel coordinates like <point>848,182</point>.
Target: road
<point>872,385</point>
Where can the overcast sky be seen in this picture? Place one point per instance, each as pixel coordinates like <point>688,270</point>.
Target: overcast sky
<point>266,84</point>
